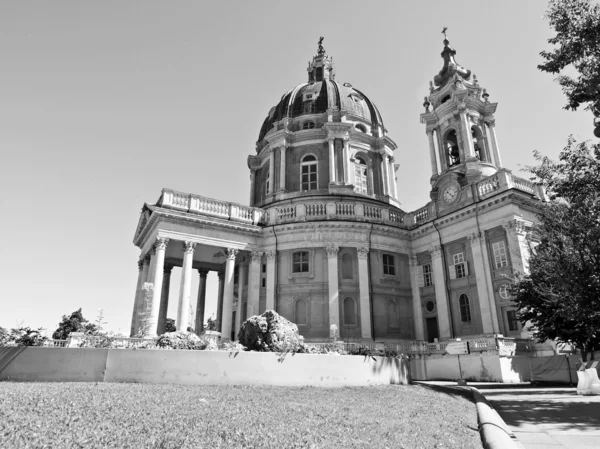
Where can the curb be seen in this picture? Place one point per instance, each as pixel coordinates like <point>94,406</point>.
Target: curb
<point>494,432</point>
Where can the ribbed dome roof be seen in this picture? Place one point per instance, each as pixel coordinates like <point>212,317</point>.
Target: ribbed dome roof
<point>326,94</point>
<point>321,92</point>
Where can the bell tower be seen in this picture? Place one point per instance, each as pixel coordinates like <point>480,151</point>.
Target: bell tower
<point>459,122</point>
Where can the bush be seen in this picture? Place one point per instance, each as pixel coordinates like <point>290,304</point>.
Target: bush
<point>270,332</point>
<point>24,336</point>
<point>183,340</point>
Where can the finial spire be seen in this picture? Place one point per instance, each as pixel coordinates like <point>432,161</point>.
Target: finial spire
<point>321,49</point>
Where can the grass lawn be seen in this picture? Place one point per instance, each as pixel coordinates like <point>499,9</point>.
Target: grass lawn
<point>87,415</point>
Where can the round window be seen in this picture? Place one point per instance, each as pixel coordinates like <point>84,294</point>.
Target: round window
<point>503,290</point>
<point>429,306</point>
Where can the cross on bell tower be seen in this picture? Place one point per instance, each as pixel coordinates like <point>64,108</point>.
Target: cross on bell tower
<point>459,120</point>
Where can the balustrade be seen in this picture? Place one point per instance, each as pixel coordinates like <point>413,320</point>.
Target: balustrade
<point>286,212</point>
<point>316,209</point>
<point>372,212</point>
<point>523,184</point>
<point>344,209</point>
<point>488,185</point>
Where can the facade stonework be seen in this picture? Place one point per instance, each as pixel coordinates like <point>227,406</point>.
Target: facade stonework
<point>324,241</point>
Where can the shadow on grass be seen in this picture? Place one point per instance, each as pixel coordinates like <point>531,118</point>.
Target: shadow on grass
<point>449,390</point>
<point>562,415</point>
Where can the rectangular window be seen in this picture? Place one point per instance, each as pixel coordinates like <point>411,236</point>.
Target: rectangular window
<point>264,282</point>
<point>360,178</point>
<point>500,259</point>
<point>300,262</point>
<point>460,266</point>
<point>427,275</point>
<point>513,322</point>
<point>388,265</point>
<point>264,267</point>
<point>309,177</point>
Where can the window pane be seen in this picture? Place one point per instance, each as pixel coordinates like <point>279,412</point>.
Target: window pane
<point>465,310</point>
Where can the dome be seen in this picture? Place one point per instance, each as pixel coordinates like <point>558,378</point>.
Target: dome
<point>319,94</point>
<point>316,98</point>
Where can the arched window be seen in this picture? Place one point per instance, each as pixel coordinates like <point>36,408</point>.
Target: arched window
<point>465,308</point>
<point>360,127</point>
<point>392,312</point>
<point>308,125</point>
<point>347,272</point>
<point>308,173</point>
<point>300,312</point>
<point>360,176</point>
<point>478,144</point>
<point>451,148</point>
<point>349,311</point>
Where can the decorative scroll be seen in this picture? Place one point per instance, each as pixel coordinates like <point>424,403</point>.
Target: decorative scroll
<point>362,252</point>
<point>230,253</point>
<point>161,243</point>
<point>332,251</point>
<point>188,247</point>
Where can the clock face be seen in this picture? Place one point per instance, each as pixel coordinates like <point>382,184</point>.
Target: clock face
<point>450,194</point>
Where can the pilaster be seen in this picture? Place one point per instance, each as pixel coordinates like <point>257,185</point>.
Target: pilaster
<point>332,274</point>
<point>254,282</point>
<point>416,296</point>
<point>363,287</point>
<point>486,307</point>
<point>270,300</point>
<point>441,296</point>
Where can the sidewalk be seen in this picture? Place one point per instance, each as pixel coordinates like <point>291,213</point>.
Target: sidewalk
<point>547,417</point>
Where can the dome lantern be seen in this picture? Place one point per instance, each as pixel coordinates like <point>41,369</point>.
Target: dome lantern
<point>321,68</point>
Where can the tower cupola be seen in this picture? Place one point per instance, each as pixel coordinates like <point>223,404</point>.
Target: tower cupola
<point>459,120</point>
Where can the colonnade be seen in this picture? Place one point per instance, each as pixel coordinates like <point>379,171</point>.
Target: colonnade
<point>151,303</point>
<point>386,166</point>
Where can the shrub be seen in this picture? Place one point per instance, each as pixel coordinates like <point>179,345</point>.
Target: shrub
<point>181,340</point>
<point>26,336</point>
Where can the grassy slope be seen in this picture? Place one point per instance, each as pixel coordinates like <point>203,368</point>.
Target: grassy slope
<point>172,416</point>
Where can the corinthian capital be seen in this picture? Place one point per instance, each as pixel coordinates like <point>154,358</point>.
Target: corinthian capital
<point>475,238</point>
<point>332,251</point>
<point>188,247</point>
<point>271,255</point>
<point>515,226</point>
<point>435,250</point>
<point>230,253</point>
<point>362,252</point>
<point>256,256</point>
<point>161,243</point>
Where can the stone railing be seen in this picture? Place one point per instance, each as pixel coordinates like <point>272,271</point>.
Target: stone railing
<point>353,210</point>
<point>504,180</point>
<point>196,204</point>
<point>502,345</point>
<point>77,339</point>
<point>420,216</point>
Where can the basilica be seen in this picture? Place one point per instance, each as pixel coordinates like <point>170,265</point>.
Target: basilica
<point>323,240</point>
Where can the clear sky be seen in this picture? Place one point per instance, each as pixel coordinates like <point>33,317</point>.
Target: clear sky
<point>102,104</point>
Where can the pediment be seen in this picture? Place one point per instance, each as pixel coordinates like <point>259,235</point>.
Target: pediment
<point>144,217</point>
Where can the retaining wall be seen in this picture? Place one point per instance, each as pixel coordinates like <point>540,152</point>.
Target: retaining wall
<point>198,367</point>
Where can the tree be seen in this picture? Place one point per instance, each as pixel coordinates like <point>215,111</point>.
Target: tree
<point>560,296</point>
<point>73,323</point>
<point>577,46</point>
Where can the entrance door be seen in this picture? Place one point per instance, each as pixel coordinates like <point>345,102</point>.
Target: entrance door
<point>432,328</point>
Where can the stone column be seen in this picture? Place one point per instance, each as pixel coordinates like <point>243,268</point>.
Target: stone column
<point>370,182</point>
<point>331,161</point>
<point>270,300</point>
<point>469,149</point>
<point>254,283</point>
<point>363,287</point>
<point>441,296</point>
<point>416,294</point>
<point>334,293</point>
<point>434,166</point>
<point>282,168</point>
<point>136,300</point>
<point>239,318</point>
<point>141,304</point>
<point>221,275</point>
<point>491,125</point>
<point>346,161</point>
<point>164,299</point>
<point>252,187</point>
<point>271,171</point>
<point>384,174</point>
<point>185,289</point>
<point>201,303</point>
<point>393,185</point>
<point>157,279</point>
<point>486,304</point>
<point>228,295</point>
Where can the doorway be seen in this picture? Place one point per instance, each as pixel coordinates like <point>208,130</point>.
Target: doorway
<point>432,328</point>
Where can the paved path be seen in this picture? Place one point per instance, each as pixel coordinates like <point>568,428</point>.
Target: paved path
<point>549,418</point>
